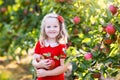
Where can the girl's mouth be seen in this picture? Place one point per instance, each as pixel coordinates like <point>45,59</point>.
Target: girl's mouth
<point>52,32</point>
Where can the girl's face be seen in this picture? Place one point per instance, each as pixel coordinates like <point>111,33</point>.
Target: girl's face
<point>52,28</point>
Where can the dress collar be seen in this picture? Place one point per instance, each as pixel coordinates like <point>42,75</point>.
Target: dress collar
<point>50,44</point>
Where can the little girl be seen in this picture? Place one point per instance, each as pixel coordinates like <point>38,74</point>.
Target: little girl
<point>49,54</point>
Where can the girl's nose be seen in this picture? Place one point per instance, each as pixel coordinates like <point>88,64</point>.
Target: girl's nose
<point>52,28</point>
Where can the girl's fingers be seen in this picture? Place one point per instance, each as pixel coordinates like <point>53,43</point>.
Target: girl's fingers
<point>47,67</point>
<point>48,63</point>
<point>46,60</point>
<point>41,73</point>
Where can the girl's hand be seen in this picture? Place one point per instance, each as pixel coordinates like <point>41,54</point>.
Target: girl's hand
<point>41,73</point>
<point>45,63</point>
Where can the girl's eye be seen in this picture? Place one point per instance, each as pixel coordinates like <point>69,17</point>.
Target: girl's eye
<point>55,26</point>
<point>48,26</point>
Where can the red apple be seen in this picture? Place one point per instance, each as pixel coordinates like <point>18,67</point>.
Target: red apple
<point>96,75</point>
<point>60,0</point>
<point>25,12</point>
<point>88,56</point>
<point>76,20</point>
<point>69,1</point>
<point>110,29</point>
<point>113,9</point>
<point>69,44</point>
<point>52,64</point>
<point>76,31</point>
<point>3,9</point>
<point>107,41</point>
<point>27,2</point>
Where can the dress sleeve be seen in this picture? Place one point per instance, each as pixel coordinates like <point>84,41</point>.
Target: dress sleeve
<point>63,51</point>
<point>37,48</point>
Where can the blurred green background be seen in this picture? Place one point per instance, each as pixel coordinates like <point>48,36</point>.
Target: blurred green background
<point>86,22</point>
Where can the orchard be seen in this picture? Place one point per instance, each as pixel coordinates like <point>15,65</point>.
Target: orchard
<point>93,27</point>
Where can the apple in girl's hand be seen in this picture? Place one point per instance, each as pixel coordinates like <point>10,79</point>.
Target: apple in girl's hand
<point>88,56</point>
<point>113,9</point>
<point>76,20</point>
<point>52,64</point>
<point>110,29</point>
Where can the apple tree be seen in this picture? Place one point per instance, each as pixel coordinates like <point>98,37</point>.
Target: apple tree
<point>93,27</point>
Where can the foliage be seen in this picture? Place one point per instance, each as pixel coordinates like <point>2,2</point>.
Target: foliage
<point>20,22</point>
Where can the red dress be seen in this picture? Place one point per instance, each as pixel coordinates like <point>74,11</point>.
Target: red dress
<point>54,51</point>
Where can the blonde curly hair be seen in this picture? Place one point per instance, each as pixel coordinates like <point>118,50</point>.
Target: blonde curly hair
<point>62,36</point>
